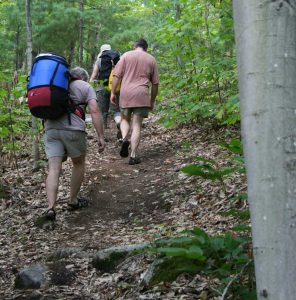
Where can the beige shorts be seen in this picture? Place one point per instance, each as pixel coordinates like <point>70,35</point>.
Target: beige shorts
<point>64,142</point>
<point>141,111</point>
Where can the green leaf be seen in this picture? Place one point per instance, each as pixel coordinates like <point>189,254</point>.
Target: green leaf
<point>174,251</point>
<point>200,234</point>
<point>234,146</point>
<point>207,172</point>
<point>180,240</point>
<point>217,244</point>
<point>195,252</point>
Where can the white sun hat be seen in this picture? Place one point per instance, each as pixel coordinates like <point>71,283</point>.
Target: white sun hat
<point>104,47</point>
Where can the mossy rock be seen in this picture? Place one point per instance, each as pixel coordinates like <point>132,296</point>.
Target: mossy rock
<point>167,269</point>
<point>107,260</point>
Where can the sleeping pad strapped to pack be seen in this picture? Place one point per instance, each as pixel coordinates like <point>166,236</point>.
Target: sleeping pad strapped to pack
<point>48,96</point>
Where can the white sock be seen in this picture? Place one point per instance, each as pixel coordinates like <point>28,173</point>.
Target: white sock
<point>117,119</point>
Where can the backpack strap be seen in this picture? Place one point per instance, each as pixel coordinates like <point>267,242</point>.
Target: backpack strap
<point>54,74</point>
<point>75,108</point>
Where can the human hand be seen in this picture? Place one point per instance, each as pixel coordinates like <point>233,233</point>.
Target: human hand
<point>113,98</point>
<point>101,144</point>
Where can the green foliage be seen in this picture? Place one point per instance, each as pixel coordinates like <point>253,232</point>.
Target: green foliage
<point>209,169</point>
<point>14,117</point>
<point>222,256</point>
<point>235,146</point>
<point>193,43</point>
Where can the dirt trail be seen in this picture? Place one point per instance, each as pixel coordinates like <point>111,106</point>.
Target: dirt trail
<point>121,193</point>
<point>128,205</point>
<point>121,190</point>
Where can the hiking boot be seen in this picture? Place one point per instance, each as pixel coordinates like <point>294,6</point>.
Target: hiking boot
<point>134,161</point>
<point>124,148</point>
<point>50,214</point>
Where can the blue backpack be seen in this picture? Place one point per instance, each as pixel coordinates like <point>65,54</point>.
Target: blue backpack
<point>47,89</point>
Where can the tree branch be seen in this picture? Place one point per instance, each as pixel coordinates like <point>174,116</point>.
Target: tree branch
<point>233,279</point>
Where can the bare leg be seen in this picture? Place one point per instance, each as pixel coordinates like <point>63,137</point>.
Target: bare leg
<point>77,177</point>
<point>136,134</point>
<point>125,126</point>
<point>52,181</point>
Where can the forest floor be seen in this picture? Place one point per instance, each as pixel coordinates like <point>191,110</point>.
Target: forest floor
<point>128,205</point>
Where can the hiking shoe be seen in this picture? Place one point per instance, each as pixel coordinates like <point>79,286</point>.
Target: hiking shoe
<point>81,203</point>
<point>124,148</point>
<point>50,214</point>
<point>134,161</point>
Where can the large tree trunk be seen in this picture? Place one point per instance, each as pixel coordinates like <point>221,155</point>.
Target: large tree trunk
<point>266,47</point>
<point>35,145</point>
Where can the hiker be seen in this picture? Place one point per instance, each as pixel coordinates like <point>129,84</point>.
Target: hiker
<point>136,69</point>
<point>106,59</point>
<point>63,138</point>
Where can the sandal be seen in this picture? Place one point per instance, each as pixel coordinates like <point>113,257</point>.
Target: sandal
<point>81,203</point>
<point>124,148</point>
<point>50,214</point>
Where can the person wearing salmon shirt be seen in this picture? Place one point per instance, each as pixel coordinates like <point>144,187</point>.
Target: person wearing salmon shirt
<point>137,71</point>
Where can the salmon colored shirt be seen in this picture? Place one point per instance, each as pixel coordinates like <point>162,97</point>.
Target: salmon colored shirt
<point>137,69</point>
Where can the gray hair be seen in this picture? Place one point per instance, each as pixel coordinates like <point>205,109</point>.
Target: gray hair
<point>79,73</point>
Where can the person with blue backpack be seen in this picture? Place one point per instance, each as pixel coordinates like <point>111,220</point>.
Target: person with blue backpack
<point>62,138</point>
<point>106,61</point>
<point>57,96</point>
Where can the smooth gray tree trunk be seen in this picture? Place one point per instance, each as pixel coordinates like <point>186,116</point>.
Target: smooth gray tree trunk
<point>35,146</point>
<point>265,33</point>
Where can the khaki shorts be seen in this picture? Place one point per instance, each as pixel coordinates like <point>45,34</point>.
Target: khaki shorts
<point>141,111</point>
<point>64,142</point>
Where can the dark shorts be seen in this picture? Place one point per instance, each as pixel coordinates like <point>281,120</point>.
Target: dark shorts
<point>103,96</point>
<point>141,111</point>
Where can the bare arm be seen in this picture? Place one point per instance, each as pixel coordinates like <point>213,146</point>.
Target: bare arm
<point>97,121</point>
<point>154,91</point>
<point>94,73</point>
<point>115,82</point>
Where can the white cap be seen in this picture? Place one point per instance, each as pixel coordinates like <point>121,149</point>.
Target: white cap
<point>104,47</point>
